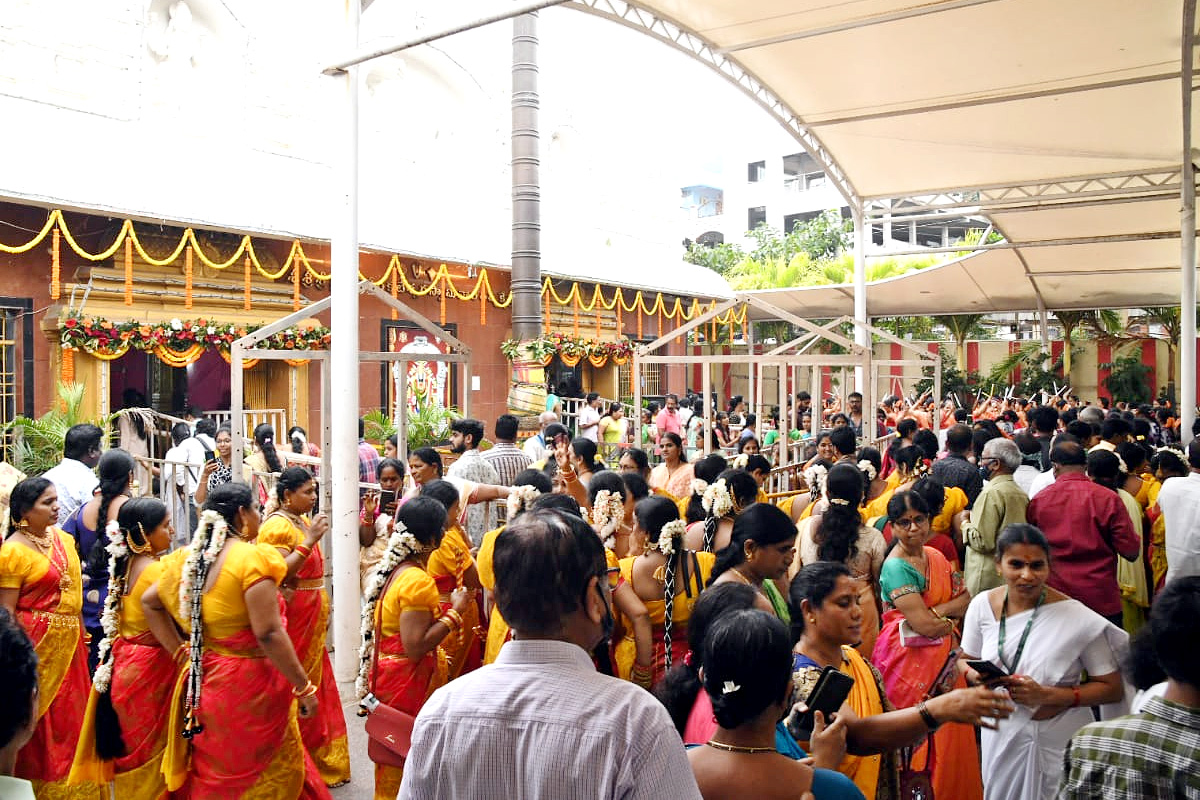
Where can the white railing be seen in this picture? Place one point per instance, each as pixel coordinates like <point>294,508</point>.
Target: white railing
<point>253,417</point>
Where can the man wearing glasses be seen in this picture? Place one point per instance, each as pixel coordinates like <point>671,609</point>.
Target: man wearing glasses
<point>541,723</point>
<point>1001,503</point>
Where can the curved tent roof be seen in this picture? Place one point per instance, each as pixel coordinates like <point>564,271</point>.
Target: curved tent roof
<point>1059,122</point>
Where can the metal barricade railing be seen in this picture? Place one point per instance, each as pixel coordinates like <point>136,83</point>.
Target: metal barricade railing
<point>571,406</point>
<point>253,417</point>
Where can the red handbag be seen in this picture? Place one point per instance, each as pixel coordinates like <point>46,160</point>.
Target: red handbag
<point>389,730</point>
<point>389,735</point>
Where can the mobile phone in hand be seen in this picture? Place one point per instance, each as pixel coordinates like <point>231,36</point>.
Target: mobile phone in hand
<point>831,690</point>
<point>387,499</point>
<point>210,455</point>
<point>987,670</point>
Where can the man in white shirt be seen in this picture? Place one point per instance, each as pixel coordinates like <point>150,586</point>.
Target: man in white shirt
<point>541,723</point>
<point>536,446</point>
<point>1179,500</point>
<point>185,463</point>
<point>589,418</point>
<point>18,703</point>
<point>74,477</point>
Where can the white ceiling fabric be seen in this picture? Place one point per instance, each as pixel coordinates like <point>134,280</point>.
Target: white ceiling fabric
<point>914,100</point>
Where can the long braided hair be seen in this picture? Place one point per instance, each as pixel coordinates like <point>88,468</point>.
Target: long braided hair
<point>220,513</point>
<point>416,529</point>
<point>734,490</point>
<point>659,519</point>
<point>127,536</point>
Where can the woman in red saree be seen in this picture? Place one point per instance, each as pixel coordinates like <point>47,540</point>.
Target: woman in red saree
<point>400,661</point>
<point>41,584</point>
<point>125,730</point>
<point>233,725</point>
<point>289,530</point>
<point>915,650</point>
<point>452,567</point>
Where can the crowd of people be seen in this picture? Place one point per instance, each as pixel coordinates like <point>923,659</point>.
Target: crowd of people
<point>545,619</point>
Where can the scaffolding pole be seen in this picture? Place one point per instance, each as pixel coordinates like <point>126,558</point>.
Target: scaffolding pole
<point>1187,223</point>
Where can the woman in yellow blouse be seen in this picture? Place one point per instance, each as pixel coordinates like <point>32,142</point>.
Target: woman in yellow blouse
<point>233,724</point>
<point>401,663</point>
<point>527,487</point>
<point>41,584</point>
<point>452,567</point>
<point>668,579</point>
<point>125,730</point>
<point>290,531</point>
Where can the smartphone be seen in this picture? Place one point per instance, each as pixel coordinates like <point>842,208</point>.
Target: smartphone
<point>831,690</point>
<point>387,498</point>
<point>209,455</point>
<point>987,670</point>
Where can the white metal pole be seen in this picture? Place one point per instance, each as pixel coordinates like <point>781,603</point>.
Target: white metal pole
<point>861,335</point>
<point>401,409</point>
<point>751,397</point>
<point>817,405</point>
<point>785,421</point>
<point>706,388</point>
<point>344,370</point>
<point>1187,300</point>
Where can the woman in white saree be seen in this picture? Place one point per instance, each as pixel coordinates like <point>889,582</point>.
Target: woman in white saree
<point>1046,643</point>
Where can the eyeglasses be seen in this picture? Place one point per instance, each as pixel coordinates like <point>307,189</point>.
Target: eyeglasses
<point>915,522</point>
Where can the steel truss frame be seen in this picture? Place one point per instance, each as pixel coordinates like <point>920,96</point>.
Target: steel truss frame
<point>691,43</point>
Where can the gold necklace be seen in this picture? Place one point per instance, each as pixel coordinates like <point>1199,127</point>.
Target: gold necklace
<point>44,542</point>
<point>733,748</point>
<point>742,577</point>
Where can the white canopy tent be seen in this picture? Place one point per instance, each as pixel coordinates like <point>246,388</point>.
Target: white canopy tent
<point>1056,121</point>
<point>1063,124</point>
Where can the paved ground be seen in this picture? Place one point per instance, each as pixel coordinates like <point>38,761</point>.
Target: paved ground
<point>362,771</point>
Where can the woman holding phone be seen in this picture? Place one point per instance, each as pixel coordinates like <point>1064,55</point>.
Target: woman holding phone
<point>827,620</point>
<point>1039,641</point>
<point>378,510</point>
<point>217,469</point>
<point>922,599</point>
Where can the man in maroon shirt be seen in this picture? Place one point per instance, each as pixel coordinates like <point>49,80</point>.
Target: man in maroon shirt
<point>1087,527</point>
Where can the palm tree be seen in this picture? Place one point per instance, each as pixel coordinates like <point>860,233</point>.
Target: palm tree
<point>1171,320</point>
<point>1105,325</point>
<point>962,327</point>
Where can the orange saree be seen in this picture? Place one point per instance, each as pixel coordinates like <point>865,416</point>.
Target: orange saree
<point>49,601</point>
<point>324,733</point>
<point>143,677</point>
<point>909,673</point>
<point>250,746</point>
<point>397,681</point>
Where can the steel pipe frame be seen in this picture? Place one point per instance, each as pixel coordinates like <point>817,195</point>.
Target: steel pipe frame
<point>693,44</point>
<point>358,56</point>
<point>993,196</point>
<point>343,567</point>
<point>1187,229</point>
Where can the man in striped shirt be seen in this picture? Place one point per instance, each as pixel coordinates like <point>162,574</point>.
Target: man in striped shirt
<point>504,455</point>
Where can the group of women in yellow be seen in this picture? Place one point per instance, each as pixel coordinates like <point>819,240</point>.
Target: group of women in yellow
<point>213,679</point>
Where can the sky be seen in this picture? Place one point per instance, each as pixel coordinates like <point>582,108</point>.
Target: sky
<point>626,122</point>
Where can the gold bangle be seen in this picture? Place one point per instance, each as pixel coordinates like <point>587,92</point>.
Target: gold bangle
<point>308,691</point>
<point>450,624</point>
<point>302,550</point>
<point>183,650</point>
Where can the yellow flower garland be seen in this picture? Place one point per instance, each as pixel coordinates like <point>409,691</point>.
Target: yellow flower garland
<point>441,281</point>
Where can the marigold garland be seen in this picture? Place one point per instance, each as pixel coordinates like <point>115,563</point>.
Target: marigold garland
<point>440,280</point>
<point>571,349</point>
<point>178,342</point>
